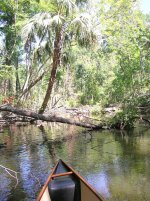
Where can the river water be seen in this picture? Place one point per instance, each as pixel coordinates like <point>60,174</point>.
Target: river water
<point>116,164</point>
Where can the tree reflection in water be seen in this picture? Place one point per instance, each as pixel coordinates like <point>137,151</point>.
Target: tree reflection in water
<point>116,164</point>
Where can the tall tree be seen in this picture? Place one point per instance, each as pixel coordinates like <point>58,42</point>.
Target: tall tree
<point>122,27</point>
<point>55,23</point>
<point>8,19</point>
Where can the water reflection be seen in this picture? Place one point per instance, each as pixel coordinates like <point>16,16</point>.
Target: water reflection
<point>100,182</point>
<point>116,164</point>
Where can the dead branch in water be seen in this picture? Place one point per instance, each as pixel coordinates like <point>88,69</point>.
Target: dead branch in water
<point>15,174</point>
<point>12,173</point>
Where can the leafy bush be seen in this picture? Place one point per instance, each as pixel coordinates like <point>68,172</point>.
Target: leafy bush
<point>126,118</point>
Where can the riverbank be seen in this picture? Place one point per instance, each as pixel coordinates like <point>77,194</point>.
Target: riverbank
<point>111,117</point>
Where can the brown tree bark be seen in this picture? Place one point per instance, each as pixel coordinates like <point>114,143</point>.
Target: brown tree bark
<point>56,62</point>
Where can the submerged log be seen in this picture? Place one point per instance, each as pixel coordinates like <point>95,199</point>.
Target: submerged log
<point>48,118</point>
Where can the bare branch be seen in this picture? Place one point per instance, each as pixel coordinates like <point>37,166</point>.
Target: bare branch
<point>12,173</point>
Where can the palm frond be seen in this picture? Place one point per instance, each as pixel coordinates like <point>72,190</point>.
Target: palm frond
<point>33,25</point>
<point>83,21</point>
<point>81,2</point>
<point>38,26</point>
<point>57,20</point>
<point>67,6</point>
<point>83,29</point>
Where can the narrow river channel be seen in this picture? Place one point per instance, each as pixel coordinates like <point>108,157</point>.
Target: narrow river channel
<point>116,164</point>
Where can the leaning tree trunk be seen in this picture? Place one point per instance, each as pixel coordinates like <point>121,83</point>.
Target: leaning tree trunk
<point>56,62</point>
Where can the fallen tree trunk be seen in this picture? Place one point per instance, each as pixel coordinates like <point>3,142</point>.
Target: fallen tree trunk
<point>48,118</point>
<point>146,120</point>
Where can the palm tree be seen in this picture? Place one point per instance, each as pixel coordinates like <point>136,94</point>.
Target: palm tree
<point>56,22</point>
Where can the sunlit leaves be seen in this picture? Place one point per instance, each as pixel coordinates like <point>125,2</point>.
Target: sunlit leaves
<point>6,72</point>
<point>83,29</point>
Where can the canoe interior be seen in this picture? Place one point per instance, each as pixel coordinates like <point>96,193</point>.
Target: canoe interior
<point>87,193</point>
<point>46,196</point>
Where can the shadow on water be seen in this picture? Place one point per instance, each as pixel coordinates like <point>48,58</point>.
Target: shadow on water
<point>115,163</point>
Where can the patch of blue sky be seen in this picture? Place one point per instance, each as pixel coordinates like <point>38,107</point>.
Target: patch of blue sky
<point>145,6</point>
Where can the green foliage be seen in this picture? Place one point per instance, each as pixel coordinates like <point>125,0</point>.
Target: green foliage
<point>113,69</point>
<point>6,72</point>
<point>97,110</point>
<point>126,37</point>
<point>144,100</point>
<point>126,118</point>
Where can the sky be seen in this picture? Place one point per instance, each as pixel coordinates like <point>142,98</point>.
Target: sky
<point>145,6</point>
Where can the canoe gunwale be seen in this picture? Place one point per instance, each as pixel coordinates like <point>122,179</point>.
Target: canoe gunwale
<point>72,171</point>
<point>85,182</point>
<point>47,182</point>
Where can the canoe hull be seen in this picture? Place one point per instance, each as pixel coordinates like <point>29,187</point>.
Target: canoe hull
<point>87,192</point>
<point>46,196</point>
